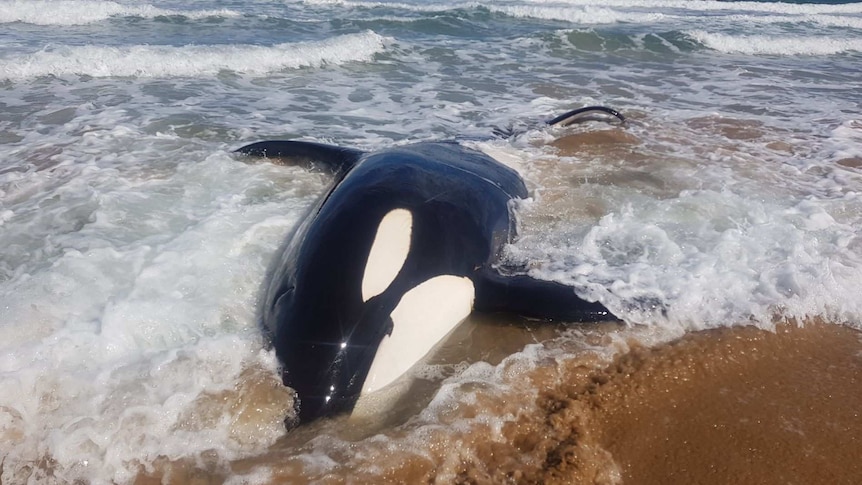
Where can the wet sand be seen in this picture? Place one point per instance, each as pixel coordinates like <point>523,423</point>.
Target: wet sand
<point>732,405</point>
<point>737,406</point>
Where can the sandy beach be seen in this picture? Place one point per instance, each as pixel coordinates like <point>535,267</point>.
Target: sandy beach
<point>730,405</point>
<point>737,406</point>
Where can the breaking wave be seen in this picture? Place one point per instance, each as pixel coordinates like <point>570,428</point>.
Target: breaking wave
<point>80,12</point>
<point>191,61</point>
<point>772,45</point>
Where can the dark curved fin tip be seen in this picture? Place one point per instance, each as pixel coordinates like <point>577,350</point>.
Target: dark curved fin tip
<point>312,154</point>
<point>568,118</point>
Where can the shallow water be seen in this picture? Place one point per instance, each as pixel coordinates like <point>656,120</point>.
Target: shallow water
<point>134,242</point>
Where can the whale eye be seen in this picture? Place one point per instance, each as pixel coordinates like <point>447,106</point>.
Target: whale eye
<point>388,252</point>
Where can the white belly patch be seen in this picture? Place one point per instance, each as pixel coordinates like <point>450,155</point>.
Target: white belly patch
<point>423,317</point>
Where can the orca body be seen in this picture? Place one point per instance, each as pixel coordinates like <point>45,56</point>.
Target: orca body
<point>402,247</point>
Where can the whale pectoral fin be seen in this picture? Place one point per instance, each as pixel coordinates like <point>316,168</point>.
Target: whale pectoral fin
<point>534,298</point>
<point>309,154</point>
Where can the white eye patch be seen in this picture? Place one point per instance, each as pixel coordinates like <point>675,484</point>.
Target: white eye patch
<point>423,317</point>
<point>388,252</point>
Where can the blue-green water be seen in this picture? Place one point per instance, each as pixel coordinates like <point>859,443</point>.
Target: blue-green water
<point>134,242</point>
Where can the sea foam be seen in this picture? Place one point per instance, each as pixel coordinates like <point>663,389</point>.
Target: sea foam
<point>190,61</point>
<point>745,260</point>
<point>587,14</point>
<point>774,45</point>
<point>79,12</point>
<point>713,5</point>
<point>127,350</point>
<point>646,5</point>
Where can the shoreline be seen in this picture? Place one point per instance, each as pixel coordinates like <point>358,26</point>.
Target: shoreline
<point>727,405</point>
<point>730,405</point>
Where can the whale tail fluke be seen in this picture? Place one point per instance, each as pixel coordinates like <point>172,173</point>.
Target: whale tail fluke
<point>587,113</point>
<point>583,114</point>
<point>313,155</point>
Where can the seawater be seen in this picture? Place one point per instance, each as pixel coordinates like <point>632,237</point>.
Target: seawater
<point>133,243</point>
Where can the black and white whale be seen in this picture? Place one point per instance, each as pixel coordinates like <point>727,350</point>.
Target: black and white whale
<point>402,247</point>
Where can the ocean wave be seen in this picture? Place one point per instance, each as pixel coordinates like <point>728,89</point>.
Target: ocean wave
<point>646,5</point>
<point>589,14</point>
<point>423,7</point>
<point>715,5</point>
<point>841,21</point>
<point>155,352</point>
<point>771,45</point>
<point>191,61</point>
<point>835,21</point>
<point>636,11</point>
<point>80,12</point>
<point>582,15</point>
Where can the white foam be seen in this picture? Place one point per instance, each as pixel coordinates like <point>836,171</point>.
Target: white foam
<point>775,45</point>
<point>166,61</point>
<point>80,12</point>
<point>586,14</point>
<point>845,141</point>
<point>713,5</point>
<point>415,7</point>
<point>824,20</point>
<point>710,258</point>
<point>835,21</point>
<point>644,5</point>
<point>583,14</point>
<point>121,335</point>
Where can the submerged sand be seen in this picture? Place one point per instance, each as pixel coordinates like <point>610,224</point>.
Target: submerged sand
<point>731,405</point>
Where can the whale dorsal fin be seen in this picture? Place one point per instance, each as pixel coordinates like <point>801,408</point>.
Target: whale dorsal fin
<point>305,153</point>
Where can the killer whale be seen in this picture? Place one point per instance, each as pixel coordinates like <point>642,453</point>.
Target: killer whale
<point>401,248</point>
